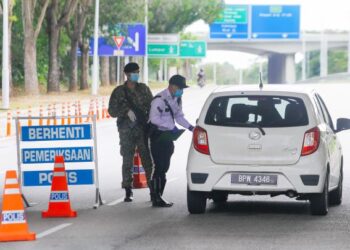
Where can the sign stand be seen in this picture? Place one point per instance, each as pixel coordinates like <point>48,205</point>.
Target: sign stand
<point>98,199</point>
<point>19,162</point>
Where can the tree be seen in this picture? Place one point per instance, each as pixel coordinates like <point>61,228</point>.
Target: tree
<point>58,15</point>
<point>75,29</point>
<point>32,26</point>
<point>173,16</point>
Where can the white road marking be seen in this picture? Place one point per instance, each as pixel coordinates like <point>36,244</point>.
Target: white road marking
<point>53,230</point>
<point>120,200</point>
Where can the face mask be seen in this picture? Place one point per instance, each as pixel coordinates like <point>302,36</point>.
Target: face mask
<point>179,93</point>
<point>134,77</point>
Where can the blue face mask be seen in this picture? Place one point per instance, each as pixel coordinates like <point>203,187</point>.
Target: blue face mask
<point>134,77</point>
<point>178,93</point>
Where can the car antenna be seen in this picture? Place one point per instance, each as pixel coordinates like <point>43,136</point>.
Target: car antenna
<point>261,85</point>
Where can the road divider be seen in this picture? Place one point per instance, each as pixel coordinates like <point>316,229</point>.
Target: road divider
<point>55,114</point>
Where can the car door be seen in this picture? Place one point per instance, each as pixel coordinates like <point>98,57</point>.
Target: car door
<point>333,144</point>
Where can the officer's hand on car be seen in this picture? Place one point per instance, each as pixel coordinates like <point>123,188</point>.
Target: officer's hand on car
<point>131,115</point>
<point>191,128</point>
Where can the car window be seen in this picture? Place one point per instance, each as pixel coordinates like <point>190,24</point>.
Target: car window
<point>266,111</point>
<point>326,114</point>
<point>319,110</point>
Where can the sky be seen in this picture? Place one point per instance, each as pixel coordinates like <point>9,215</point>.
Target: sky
<point>315,15</point>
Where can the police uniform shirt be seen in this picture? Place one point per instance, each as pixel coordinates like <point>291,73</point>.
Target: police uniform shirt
<point>160,114</point>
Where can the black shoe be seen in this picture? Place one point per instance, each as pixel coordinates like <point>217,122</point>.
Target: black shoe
<point>158,201</point>
<point>128,195</point>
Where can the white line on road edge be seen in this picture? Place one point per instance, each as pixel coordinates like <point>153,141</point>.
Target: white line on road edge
<point>53,230</point>
<point>116,202</point>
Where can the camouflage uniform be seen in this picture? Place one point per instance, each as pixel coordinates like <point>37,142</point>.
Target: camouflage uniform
<point>131,134</point>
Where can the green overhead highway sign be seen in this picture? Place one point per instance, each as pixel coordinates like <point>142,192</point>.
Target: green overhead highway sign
<point>233,14</point>
<point>163,50</point>
<point>193,49</point>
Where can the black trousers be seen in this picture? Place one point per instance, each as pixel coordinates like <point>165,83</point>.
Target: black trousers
<point>162,151</point>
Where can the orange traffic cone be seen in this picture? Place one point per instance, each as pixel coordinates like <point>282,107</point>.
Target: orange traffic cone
<point>59,204</point>
<point>140,180</point>
<point>14,225</point>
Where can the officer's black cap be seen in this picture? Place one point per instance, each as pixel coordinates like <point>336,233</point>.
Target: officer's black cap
<point>131,67</point>
<point>179,81</point>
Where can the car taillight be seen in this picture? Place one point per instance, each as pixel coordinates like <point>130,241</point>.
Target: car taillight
<point>311,141</point>
<point>200,140</point>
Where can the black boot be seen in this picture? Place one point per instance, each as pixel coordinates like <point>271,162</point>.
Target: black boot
<point>128,195</point>
<point>151,190</point>
<point>162,185</point>
<point>158,201</point>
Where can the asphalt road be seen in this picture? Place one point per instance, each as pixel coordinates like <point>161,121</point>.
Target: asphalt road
<point>243,223</point>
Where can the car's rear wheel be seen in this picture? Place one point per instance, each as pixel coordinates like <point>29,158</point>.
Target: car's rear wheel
<point>196,202</point>
<point>219,196</point>
<point>319,202</point>
<point>335,196</point>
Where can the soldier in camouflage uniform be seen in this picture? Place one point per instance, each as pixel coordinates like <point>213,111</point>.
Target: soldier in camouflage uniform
<point>130,103</point>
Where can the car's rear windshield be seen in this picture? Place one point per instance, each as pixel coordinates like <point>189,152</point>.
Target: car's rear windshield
<point>265,111</point>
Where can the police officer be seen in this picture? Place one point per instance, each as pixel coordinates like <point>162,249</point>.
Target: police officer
<point>130,103</point>
<point>166,109</point>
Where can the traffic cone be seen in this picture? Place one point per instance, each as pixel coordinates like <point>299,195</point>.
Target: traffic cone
<point>69,115</point>
<point>41,122</point>
<point>59,204</point>
<point>49,114</point>
<point>9,123</point>
<point>97,107</point>
<point>63,112</point>
<point>14,226</point>
<point>30,123</point>
<point>140,180</point>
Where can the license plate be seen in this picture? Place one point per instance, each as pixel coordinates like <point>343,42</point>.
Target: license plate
<point>254,179</point>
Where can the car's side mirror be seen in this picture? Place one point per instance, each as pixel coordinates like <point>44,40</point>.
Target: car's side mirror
<point>343,124</point>
<point>197,121</point>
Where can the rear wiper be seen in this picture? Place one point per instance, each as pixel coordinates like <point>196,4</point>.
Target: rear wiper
<point>255,125</point>
<point>251,125</point>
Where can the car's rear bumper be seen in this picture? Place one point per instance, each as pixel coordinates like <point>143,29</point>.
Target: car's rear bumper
<point>290,177</point>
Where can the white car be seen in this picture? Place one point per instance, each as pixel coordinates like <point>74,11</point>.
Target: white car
<point>275,140</point>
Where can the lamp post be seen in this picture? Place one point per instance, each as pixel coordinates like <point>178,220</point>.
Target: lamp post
<point>95,75</point>
<point>145,66</point>
<point>5,57</point>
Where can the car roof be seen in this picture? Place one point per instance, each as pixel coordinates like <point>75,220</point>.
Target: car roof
<point>278,88</point>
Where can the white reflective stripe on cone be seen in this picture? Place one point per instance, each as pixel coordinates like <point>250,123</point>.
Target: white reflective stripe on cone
<point>59,165</point>
<point>12,191</point>
<point>60,174</point>
<point>11,181</point>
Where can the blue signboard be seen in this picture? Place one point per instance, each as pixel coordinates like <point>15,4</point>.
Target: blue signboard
<point>275,22</point>
<point>228,30</point>
<point>123,40</point>
<point>44,178</point>
<point>51,133</point>
<point>47,155</point>
<point>231,24</point>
